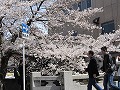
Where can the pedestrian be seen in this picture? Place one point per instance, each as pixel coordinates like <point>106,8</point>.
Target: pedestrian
<point>108,76</point>
<point>92,72</point>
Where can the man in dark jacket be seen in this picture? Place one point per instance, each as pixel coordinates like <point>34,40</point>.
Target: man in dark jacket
<point>92,72</point>
<point>108,77</point>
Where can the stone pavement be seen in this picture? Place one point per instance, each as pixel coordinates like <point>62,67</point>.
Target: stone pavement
<point>84,87</point>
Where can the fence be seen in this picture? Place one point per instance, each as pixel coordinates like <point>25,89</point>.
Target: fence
<point>65,81</point>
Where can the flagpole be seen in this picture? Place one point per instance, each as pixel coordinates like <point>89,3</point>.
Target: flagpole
<point>25,35</point>
<point>23,65</point>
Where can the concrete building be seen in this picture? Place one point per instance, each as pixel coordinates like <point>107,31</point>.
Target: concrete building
<point>109,19</point>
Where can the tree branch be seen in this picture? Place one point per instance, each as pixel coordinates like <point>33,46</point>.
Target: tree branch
<point>38,8</point>
<point>41,20</point>
<point>32,11</point>
<point>1,18</point>
<point>5,59</point>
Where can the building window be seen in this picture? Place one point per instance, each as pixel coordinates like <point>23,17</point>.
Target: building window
<point>84,4</point>
<point>108,27</point>
<point>88,3</point>
<point>75,6</point>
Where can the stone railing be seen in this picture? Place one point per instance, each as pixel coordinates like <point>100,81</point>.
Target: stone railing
<point>65,81</point>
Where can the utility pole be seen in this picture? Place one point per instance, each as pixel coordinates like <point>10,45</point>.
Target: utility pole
<point>23,64</point>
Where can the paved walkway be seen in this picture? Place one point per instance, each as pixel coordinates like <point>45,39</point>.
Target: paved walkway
<point>84,87</point>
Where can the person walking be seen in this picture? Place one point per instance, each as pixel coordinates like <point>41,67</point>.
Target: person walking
<point>108,76</point>
<point>92,72</point>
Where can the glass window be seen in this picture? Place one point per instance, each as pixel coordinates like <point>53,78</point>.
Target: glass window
<point>75,6</point>
<point>79,6</point>
<point>108,27</point>
<point>88,3</point>
<point>84,4</point>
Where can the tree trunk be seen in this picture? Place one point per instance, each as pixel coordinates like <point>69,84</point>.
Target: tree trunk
<point>4,63</point>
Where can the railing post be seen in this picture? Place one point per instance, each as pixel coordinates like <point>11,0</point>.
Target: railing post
<point>34,74</point>
<point>66,80</point>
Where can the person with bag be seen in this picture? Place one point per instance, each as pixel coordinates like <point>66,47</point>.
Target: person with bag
<point>92,72</point>
<point>108,68</point>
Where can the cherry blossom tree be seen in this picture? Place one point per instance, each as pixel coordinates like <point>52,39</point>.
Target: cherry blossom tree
<point>48,54</point>
<point>56,13</point>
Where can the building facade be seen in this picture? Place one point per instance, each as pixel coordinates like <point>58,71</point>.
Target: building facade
<point>109,19</point>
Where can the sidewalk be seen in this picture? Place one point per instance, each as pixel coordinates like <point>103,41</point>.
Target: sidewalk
<point>84,87</point>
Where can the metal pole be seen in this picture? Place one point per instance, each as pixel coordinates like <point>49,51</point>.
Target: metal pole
<point>23,65</point>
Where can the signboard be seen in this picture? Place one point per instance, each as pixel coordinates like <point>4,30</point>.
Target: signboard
<point>25,30</point>
<point>10,76</point>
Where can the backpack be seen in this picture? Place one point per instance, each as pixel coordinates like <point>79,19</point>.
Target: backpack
<point>112,64</point>
<point>99,61</point>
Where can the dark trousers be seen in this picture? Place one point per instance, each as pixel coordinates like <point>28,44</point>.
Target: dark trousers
<point>92,81</point>
<point>108,82</point>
